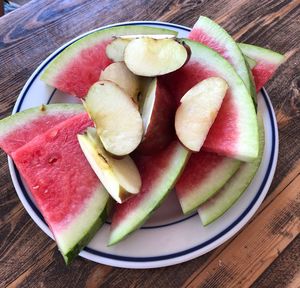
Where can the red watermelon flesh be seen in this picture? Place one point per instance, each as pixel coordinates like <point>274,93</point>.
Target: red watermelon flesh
<point>83,71</point>
<point>79,65</point>
<point>234,131</point>
<point>18,129</point>
<point>223,134</point>
<point>262,72</point>
<point>211,34</point>
<point>203,176</point>
<point>67,192</point>
<point>159,173</point>
<point>267,62</point>
<point>200,36</point>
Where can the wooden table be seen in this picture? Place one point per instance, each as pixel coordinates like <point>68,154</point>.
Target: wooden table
<point>266,253</point>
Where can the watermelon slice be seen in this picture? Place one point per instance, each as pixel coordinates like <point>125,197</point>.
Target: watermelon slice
<point>159,173</point>
<point>203,176</point>
<point>267,61</point>
<point>64,186</point>
<point>216,206</point>
<point>211,34</point>
<point>234,133</point>
<point>79,65</point>
<point>18,129</point>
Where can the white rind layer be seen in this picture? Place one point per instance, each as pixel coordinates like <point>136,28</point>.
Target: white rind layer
<point>234,188</point>
<point>68,236</point>
<point>139,214</point>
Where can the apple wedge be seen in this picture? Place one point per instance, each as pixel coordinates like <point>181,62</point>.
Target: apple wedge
<point>153,57</point>
<point>117,119</point>
<point>123,77</point>
<point>115,50</point>
<point>153,36</point>
<point>120,177</point>
<point>198,110</point>
<point>159,173</point>
<point>158,112</point>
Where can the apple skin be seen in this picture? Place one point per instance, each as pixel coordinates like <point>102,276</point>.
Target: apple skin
<point>160,131</point>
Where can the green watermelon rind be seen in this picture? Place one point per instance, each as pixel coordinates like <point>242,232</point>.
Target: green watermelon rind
<point>252,82</point>
<point>54,69</point>
<point>92,230</point>
<point>222,36</point>
<point>247,146</point>
<point>135,219</point>
<point>251,62</point>
<point>17,121</point>
<point>210,185</point>
<point>261,54</point>
<point>216,206</point>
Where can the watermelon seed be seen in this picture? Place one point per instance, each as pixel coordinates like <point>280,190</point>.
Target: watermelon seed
<point>52,160</point>
<point>36,187</point>
<point>53,133</point>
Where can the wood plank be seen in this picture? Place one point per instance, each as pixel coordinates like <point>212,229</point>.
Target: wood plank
<point>286,266</point>
<point>256,247</point>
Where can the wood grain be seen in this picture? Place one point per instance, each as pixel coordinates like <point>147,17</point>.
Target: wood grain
<point>28,258</point>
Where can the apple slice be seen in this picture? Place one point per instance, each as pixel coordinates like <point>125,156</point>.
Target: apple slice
<point>153,57</point>
<point>158,112</point>
<point>120,177</point>
<point>115,50</point>
<point>198,110</point>
<point>123,77</point>
<point>153,36</point>
<point>117,119</point>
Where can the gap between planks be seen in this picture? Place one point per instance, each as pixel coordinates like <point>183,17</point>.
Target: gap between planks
<point>268,234</point>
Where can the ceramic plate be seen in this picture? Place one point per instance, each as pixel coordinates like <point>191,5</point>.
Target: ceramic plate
<point>168,237</point>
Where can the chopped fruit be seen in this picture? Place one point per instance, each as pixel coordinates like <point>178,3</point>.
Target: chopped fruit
<point>216,206</point>
<point>67,192</point>
<point>153,36</point>
<point>18,129</point>
<point>267,62</point>
<point>116,117</point>
<point>115,50</point>
<point>209,33</point>
<point>158,112</point>
<point>120,177</point>
<point>198,111</point>
<point>250,62</point>
<point>79,65</point>
<point>159,173</point>
<point>203,176</point>
<point>123,77</point>
<point>151,57</point>
<point>234,133</point>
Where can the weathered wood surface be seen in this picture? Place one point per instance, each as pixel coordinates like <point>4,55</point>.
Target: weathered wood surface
<point>265,253</point>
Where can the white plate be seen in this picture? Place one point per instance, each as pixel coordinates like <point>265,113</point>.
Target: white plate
<point>168,237</point>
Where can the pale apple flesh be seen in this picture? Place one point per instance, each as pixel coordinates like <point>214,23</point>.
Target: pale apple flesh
<point>120,177</point>
<point>124,78</point>
<point>153,36</point>
<point>198,110</point>
<point>153,57</point>
<point>158,113</point>
<point>117,119</point>
<point>115,50</point>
